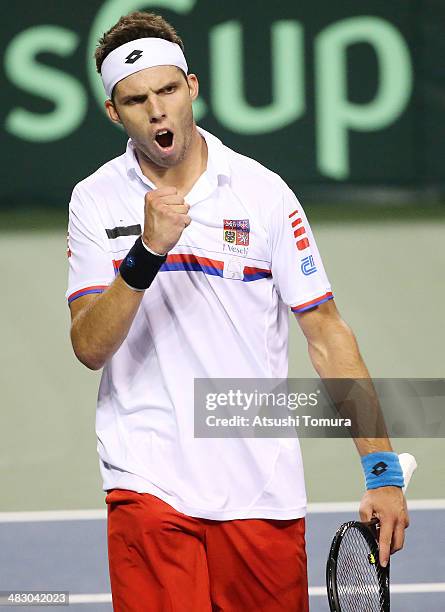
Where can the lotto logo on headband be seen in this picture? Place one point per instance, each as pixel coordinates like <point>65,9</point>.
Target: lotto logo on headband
<point>133,57</point>
<point>128,59</point>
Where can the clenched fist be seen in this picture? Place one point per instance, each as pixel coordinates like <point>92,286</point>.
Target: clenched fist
<point>165,219</point>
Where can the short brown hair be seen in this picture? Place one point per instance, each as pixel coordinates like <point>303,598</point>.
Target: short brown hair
<point>132,26</point>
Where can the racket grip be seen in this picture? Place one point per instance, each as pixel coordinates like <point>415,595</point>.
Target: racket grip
<point>408,465</point>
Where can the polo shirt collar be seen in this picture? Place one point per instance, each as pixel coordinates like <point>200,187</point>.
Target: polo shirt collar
<point>217,156</point>
<point>132,165</point>
<point>217,162</point>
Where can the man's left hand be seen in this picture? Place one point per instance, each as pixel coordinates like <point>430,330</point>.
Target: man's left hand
<point>388,504</point>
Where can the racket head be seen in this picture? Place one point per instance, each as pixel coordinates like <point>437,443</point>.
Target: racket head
<point>365,557</point>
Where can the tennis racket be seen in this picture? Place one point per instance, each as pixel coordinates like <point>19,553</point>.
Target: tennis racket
<point>356,582</point>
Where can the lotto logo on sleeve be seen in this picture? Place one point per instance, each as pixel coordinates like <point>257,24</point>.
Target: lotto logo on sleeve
<point>299,231</point>
<point>236,231</point>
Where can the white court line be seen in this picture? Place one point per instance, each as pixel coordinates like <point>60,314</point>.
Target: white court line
<point>420,587</point>
<point>85,598</point>
<point>396,589</point>
<point>319,591</point>
<point>413,504</point>
<point>52,515</point>
<point>91,515</point>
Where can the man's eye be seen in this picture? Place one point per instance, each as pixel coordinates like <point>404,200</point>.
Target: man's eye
<point>169,89</point>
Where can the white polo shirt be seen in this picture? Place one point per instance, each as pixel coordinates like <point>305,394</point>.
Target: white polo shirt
<point>217,308</point>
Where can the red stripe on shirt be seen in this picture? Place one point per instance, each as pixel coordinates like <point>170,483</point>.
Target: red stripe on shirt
<point>189,258</point>
<point>183,258</point>
<point>299,231</point>
<point>203,261</point>
<point>306,304</point>
<point>302,244</point>
<point>250,270</point>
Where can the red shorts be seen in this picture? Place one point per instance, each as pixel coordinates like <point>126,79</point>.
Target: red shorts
<point>164,561</point>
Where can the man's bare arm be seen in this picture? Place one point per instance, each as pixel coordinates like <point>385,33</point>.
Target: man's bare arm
<point>334,353</point>
<point>101,322</point>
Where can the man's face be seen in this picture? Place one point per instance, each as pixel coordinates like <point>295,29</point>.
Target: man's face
<point>155,108</point>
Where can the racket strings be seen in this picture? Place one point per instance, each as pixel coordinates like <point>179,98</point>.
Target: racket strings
<point>358,575</point>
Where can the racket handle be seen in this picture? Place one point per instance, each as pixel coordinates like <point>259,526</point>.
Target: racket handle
<point>408,465</point>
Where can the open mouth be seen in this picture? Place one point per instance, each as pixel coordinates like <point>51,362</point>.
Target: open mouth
<point>164,138</point>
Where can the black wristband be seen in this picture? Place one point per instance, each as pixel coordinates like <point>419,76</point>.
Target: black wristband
<point>140,267</point>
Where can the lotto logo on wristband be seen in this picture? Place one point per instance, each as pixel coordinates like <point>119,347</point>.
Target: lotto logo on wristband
<point>382,469</point>
<point>379,468</point>
<point>140,267</point>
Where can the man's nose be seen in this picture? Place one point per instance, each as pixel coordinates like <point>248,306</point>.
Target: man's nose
<point>156,111</point>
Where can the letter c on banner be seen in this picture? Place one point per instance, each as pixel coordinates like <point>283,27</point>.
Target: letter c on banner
<point>110,12</point>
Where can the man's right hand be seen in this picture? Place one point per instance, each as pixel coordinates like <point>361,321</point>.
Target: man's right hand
<point>100,322</point>
<point>165,219</point>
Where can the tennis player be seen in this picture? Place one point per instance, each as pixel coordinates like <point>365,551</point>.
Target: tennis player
<point>184,259</point>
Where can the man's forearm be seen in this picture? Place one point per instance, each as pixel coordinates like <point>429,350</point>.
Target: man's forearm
<point>99,329</point>
<point>337,356</point>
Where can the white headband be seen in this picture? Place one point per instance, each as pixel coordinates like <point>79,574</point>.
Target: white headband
<point>137,55</point>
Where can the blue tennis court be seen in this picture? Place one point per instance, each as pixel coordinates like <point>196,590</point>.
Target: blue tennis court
<point>66,551</point>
